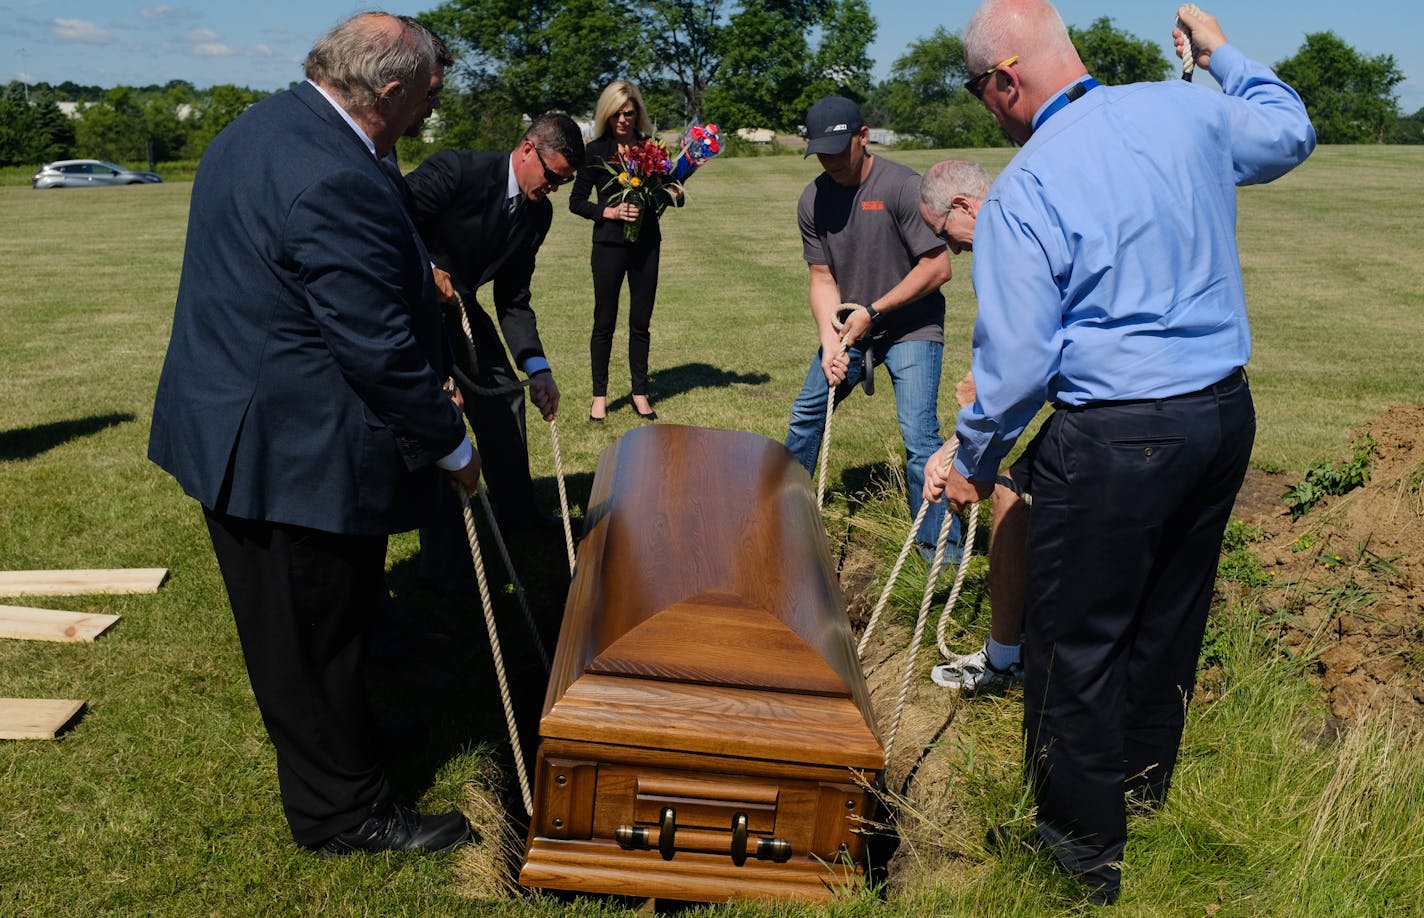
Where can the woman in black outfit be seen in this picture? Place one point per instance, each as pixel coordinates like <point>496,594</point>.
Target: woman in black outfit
<point>620,119</point>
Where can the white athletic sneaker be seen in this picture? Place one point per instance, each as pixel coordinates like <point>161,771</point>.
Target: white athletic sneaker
<point>972,674</point>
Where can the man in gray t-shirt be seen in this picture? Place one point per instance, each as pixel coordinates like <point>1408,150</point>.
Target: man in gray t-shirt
<point>867,246</point>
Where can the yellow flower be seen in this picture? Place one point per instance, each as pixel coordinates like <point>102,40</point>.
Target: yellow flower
<point>635,181</point>
<point>622,178</point>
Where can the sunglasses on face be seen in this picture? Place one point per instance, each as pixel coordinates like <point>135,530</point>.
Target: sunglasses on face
<point>626,113</point>
<point>976,85</point>
<point>550,176</point>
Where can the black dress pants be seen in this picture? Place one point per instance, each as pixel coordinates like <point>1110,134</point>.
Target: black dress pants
<point>304,601</point>
<point>1129,504</point>
<point>611,262</point>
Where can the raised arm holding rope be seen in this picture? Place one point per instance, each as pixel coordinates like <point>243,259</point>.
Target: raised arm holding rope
<point>1109,283</point>
<point>867,248</point>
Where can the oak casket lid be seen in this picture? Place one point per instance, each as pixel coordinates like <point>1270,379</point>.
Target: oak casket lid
<point>705,569</point>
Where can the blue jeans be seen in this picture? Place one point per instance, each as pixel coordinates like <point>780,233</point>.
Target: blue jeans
<point>914,368</point>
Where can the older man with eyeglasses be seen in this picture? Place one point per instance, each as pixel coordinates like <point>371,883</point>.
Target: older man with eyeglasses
<point>1109,283</point>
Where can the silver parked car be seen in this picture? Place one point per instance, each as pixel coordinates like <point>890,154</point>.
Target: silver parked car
<point>86,173</point>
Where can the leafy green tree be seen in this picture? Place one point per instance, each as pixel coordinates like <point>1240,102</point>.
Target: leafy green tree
<point>684,41</point>
<point>763,71</point>
<point>216,109</point>
<point>841,64</point>
<point>925,97</point>
<point>32,128</point>
<point>1407,129</point>
<point>53,129</point>
<point>112,128</point>
<point>1115,57</point>
<point>1350,97</point>
<point>539,55</point>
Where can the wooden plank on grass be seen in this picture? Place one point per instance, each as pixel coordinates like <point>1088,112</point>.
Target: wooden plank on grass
<point>52,624</point>
<point>82,583</point>
<point>36,718</point>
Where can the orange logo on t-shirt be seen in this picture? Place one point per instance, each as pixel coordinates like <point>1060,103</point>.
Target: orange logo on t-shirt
<point>872,205</point>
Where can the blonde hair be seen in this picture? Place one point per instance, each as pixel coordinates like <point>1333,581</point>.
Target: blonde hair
<point>612,99</point>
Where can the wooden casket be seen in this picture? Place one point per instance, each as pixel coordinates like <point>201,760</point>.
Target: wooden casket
<point>707,733</point>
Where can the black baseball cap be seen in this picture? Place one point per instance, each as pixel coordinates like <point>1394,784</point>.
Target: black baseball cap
<point>830,124</point>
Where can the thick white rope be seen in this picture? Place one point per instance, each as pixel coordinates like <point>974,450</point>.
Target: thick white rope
<point>966,540</point>
<point>913,650</point>
<point>838,323</point>
<point>1189,61</point>
<point>497,653</point>
<point>563,493</point>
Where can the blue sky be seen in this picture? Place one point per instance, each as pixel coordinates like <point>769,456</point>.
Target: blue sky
<point>260,43</point>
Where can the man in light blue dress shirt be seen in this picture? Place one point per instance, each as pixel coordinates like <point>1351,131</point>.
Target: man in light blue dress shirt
<point>1109,283</point>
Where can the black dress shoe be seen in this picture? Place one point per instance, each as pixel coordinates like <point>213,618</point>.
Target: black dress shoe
<point>597,420</point>
<point>398,828</point>
<point>650,416</point>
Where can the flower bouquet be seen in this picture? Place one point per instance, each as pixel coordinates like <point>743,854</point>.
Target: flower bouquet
<point>699,144</point>
<point>639,172</point>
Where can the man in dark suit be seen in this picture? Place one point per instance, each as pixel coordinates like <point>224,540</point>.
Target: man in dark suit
<point>302,404</point>
<point>483,217</point>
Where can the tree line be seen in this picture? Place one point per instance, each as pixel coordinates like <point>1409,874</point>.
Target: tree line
<point>748,63</point>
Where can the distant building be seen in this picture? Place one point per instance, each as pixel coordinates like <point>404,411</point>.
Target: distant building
<point>757,135</point>
<point>883,136</point>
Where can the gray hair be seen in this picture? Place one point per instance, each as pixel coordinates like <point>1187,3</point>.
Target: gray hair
<point>952,177</point>
<point>364,54</point>
<point>558,133</point>
<point>1000,29</point>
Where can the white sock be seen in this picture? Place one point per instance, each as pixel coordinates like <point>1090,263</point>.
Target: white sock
<point>1002,656</point>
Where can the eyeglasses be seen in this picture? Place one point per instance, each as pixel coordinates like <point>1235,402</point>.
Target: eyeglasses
<point>942,234</point>
<point>626,113</point>
<point>976,85</point>
<point>550,176</point>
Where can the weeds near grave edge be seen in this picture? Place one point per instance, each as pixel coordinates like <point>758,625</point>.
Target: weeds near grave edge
<point>1326,479</point>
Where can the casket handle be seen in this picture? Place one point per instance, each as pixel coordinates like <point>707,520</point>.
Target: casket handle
<point>667,833</point>
<point>739,839</point>
<point>633,838</point>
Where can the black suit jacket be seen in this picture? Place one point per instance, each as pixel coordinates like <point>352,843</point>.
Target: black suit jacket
<point>458,199</point>
<point>303,378</point>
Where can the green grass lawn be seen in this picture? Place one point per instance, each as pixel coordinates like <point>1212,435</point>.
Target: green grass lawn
<point>163,798</point>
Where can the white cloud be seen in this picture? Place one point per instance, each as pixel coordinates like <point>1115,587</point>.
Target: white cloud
<point>205,42</point>
<point>164,12</point>
<point>80,30</point>
<point>259,50</point>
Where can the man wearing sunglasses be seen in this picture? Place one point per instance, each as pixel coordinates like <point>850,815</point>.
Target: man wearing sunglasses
<point>1109,283</point>
<point>483,217</point>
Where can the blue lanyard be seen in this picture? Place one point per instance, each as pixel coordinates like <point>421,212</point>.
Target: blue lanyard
<point>1071,94</point>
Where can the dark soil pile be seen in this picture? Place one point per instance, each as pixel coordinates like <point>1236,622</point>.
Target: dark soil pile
<point>1345,578</point>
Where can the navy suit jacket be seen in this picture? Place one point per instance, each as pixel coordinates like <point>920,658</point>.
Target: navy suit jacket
<point>303,378</point>
<point>458,198</point>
